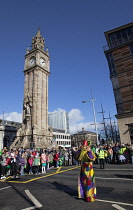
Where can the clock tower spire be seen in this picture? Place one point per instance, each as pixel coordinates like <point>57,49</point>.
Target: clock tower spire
<point>34,131</point>
<point>38,41</point>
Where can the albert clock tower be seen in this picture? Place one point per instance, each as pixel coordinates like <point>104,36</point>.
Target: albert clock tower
<point>34,131</point>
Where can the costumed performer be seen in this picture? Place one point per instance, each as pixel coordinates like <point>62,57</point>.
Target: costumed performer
<point>86,180</point>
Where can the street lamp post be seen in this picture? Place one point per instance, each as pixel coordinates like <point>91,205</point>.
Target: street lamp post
<point>94,114</point>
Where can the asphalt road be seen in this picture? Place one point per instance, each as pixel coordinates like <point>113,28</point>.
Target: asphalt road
<point>57,189</point>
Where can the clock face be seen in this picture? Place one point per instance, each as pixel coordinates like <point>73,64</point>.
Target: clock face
<point>42,62</point>
<point>32,61</point>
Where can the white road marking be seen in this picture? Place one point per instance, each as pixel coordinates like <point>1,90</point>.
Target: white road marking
<point>118,207</point>
<point>126,204</point>
<point>5,188</point>
<point>32,207</point>
<point>114,178</point>
<point>34,200</point>
<point>113,169</point>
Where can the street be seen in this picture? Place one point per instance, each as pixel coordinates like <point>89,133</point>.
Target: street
<point>57,189</point>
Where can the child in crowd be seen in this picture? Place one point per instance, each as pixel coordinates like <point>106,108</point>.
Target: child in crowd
<point>43,162</point>
<point>36,164</point>
<point>3,165</point>
<point>47,160</point>
<point>8,165</point>
<point>30,162</point>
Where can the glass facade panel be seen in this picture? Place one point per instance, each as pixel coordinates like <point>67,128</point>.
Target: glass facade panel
<point>112,37</point>
<point>130,31</point>
<point>59,120</point>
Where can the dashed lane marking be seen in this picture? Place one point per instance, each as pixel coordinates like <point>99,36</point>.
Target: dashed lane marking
<point>118,207</point>
<point>115,202</point>
<point>32,207</point>
<point>113,178</point>
<point>5,188</point>
<point>113,169</point>
<point>34,200</point>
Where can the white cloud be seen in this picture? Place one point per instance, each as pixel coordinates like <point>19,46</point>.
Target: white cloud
<point>13,116</point>
<point>87,126</point>
<point>75,116</point>
<point>59,109</point>
<point>76,122</point>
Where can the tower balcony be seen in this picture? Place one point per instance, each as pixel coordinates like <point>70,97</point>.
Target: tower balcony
<point>118,43</point>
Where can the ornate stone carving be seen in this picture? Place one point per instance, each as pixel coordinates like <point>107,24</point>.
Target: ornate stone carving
<point>38,41</point>
<point>27,106</point>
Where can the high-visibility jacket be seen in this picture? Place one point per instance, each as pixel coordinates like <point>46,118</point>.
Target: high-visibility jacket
<point>122,150</point>
<point>101,154</point>
<point>105,153</point>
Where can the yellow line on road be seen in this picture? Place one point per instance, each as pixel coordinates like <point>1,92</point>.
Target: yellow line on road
<point>31,180</point>
<point>58,169</point>
<point>5,179</point>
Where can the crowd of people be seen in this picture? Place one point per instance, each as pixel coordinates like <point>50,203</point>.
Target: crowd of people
<point>113,154</point>
<point>16,162</point>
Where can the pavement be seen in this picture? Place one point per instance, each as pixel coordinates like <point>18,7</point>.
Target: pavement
<point>57,189</point>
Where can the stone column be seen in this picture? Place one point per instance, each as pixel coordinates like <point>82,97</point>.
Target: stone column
<point>34,96</point>
<point>39,100</point>
<point>46,102</point>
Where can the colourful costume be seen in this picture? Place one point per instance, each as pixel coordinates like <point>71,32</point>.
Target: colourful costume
<point>86,181</point>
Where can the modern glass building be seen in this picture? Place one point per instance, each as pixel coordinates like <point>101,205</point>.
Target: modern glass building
<point>59,120</point>
<point>119,54</point>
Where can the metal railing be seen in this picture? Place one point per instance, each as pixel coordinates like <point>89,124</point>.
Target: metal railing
<point>118,42</point>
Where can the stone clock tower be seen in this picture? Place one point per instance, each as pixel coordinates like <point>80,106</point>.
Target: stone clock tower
<point>34,131</point>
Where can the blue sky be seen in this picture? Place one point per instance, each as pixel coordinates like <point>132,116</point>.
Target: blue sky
<point>74,33</point>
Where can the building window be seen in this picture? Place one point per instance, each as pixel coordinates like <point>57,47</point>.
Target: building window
<point>131,49</point>
<point>112,37</point>
<point>112,68</point>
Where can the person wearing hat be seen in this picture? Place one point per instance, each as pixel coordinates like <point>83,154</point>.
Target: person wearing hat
<point>86,180</point>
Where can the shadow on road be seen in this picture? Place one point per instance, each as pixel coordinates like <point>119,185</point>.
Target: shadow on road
<point>104,190</point>
<point>64,188</point>
<point>73,192</point>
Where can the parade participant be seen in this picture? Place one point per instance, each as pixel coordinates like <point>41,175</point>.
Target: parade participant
<point>101,157</point>
<point>86,181</point>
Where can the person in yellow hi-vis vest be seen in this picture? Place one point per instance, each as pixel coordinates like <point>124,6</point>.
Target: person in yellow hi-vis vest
<point>101,157</point>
